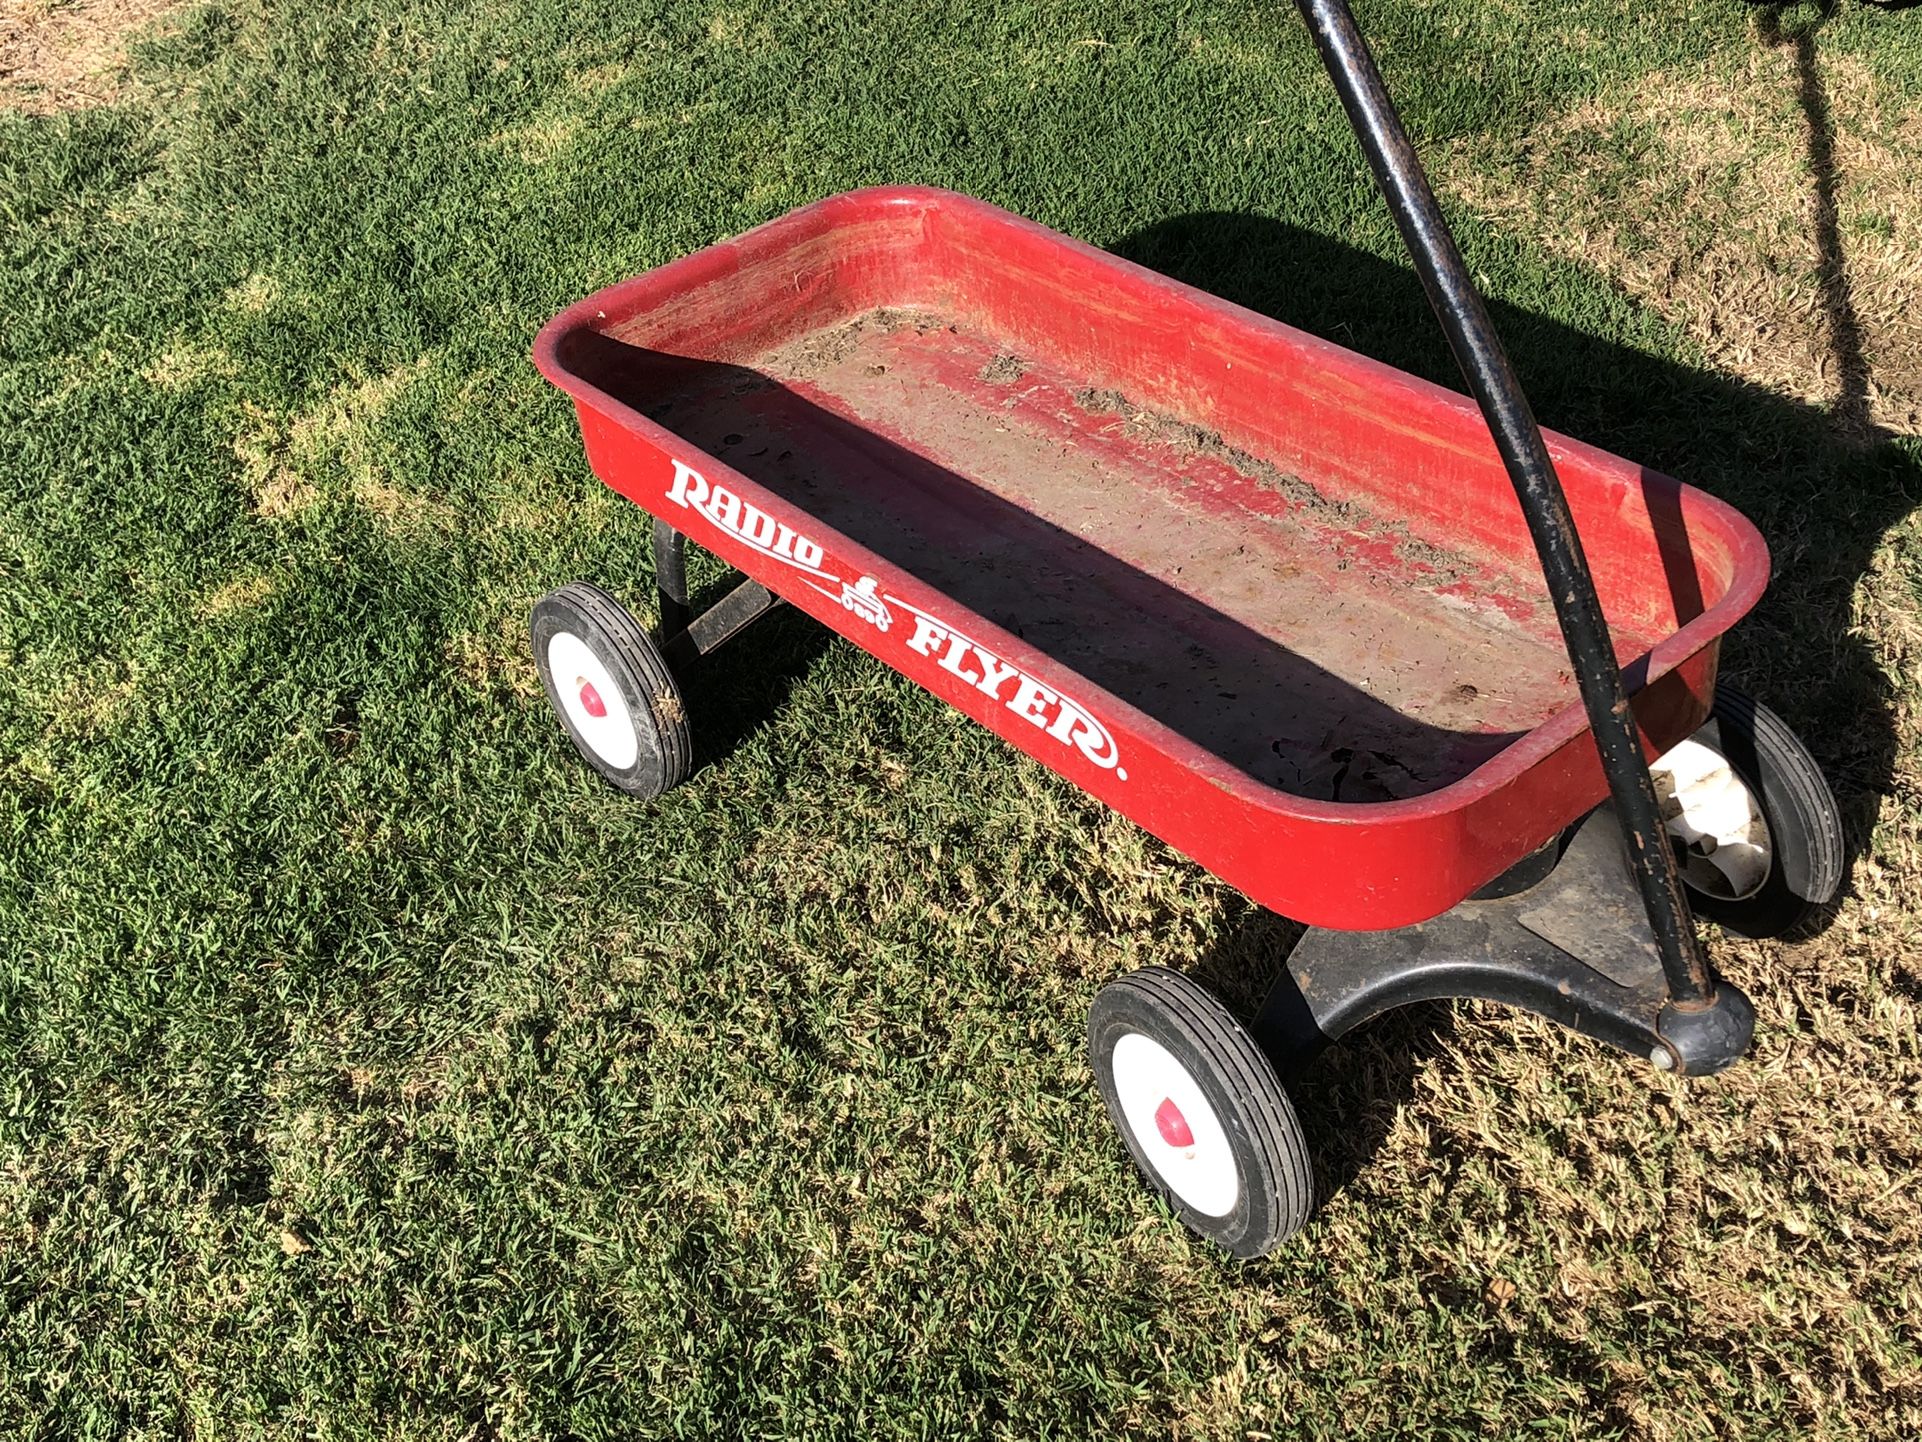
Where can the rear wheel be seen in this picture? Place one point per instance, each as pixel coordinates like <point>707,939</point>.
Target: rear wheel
<point>612,690</point>
<point>1755,826</point>
<point>1201,1110</point>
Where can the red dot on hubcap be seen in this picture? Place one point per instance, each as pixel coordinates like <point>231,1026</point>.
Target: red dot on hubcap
<point>1172,1125</point>
<point>591,701</point>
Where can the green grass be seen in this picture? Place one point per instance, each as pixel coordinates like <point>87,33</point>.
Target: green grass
<point>368,1069</point>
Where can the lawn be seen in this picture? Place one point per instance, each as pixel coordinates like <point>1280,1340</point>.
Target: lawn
<point>369,1069</point>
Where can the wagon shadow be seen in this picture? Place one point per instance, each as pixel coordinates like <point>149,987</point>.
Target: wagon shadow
<point>744,686</point>
<point>1824,487</point>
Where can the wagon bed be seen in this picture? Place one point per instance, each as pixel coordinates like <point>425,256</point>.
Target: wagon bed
<point>1316,644</point>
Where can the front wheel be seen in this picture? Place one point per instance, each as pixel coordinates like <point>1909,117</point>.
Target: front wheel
<point>1201,1110</point>
<point>1755,826</point>
<point>612,690</point>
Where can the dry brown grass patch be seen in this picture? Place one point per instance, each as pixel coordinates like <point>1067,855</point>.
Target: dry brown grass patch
<point>278,455</point>
<point>274,490</point>
<point>399,509</point>
<point>346,425</point>
<point>94,701</point>
<point>282,494</point>
<point>241,594</point>
<point>257,293</point>
<point>597,79</point>
<point>353,406</point>
<point>66,56</point>
<point>525,513</point>
<point>537,141</point>
<point>1698,194</point>
<point>182,366</point>
<point>495,662</point>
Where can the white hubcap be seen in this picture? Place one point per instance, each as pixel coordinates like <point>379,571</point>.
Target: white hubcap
<point>1174,1126</point>
<point>592,701</point>
<point>1717,819</point>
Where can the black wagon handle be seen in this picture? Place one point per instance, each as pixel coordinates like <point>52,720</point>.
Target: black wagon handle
<point>1693,995</point>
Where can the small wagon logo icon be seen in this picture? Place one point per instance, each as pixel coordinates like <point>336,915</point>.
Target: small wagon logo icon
<point>862,598</point>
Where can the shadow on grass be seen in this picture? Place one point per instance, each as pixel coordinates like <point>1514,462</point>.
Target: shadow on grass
<point>1851,406</point>
<point>1824,484</point>
<point>738,689</point>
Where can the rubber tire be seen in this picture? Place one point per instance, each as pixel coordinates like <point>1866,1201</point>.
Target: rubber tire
<point>666,751</point>
<point>1805,824</point>
<point>1277,1183</point>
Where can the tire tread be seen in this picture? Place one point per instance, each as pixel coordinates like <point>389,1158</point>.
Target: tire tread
<point>637,651</point>
<point>1250,1076</point>
<point>1803,785</point>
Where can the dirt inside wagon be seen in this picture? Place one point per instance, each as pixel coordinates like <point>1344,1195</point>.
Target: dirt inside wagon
<point>1322,648</point>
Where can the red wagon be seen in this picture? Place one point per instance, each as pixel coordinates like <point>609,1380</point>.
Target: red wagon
<point>1280,604</point>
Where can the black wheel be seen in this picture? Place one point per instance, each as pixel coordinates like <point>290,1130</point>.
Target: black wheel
<point>611,687</point>
<point>1755,825</point>
<point>1202,1112</point>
